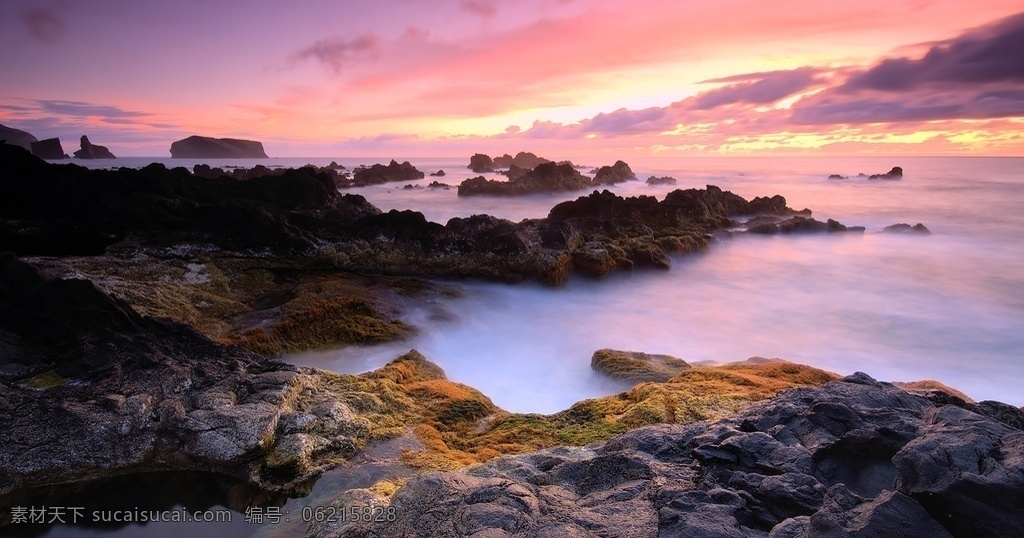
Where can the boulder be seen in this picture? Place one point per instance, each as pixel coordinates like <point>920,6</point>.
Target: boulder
<point>202,147</point>
<point>49,149</point>
<point>91,151</point>
<point>664,180</point>
<point>17,137</point>
<point>895,173</point>
<point>616,173</point>
<point>439,173</point>
<point>480,164</point>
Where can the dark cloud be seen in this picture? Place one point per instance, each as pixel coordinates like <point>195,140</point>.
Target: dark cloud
<point>757,88</point>
<point>81,109</point>
<point>994,53</point>
<point>45,23</point>
<point>929,106</point>
<point>483,8</point>
<point>338,53</point>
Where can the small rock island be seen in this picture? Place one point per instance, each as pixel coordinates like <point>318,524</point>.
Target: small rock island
<point>202,147</point>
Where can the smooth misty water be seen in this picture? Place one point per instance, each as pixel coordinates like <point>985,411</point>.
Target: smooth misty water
<point>949,306</point>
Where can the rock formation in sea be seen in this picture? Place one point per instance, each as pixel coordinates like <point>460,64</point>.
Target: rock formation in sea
<point>17,137</point>
<point>854,457</point>
<point>49,149</point>
<point>837,176</point>
<point>378,173</point>
<point>439,173</point>
<point>906,228</point>
<point>202,147</point>
<point>92,151</point>
<point>523,159</point>
<point>664,180</point>
<point>546,177</point>
<point>636,366</point>
<point>895,173</point>
<point>616,173</point>
<point>481,164</point>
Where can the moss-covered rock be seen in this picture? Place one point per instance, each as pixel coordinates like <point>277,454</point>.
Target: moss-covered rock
<point>636,366</point>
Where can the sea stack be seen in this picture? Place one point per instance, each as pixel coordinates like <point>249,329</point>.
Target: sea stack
<point>202,147</point>
<point>91,151</point>
<point>17,137</point>
<point>49,149</point>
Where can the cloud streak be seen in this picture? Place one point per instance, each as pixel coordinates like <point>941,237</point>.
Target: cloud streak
<point>339,53</point>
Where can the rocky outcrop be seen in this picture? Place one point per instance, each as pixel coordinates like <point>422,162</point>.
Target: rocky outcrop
<point>637,367</point>
<point>546,177</point>
<point>797,224</point>
<point>439,173</point>
<point>378,174</point>
<point>202,147</point>
<point>17,137</point>
<point>664,180</point>
<point>616,173</point>
<point>523,159</point>
<point>852,458</point>
<point>91,151</point>
<point>895,173</point>
<point>903,228</point>
<point>49,149</point>
<point>837,176</point>
<point>481,164</point>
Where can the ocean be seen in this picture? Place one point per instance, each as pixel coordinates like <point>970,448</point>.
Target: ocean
<point>947,306</point>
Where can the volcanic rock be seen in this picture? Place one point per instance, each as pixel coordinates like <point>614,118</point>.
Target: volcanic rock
<point>895,173</point>
<point>378,173</point>
<point>480,164</point>
<point>616,173</point>
<point>546,177</point>
<point>854,457</point>
<point>17,137</point>
<point>49,149</point>
<point>902,228</point>
<point>201,147</point>
<point>91,151</point>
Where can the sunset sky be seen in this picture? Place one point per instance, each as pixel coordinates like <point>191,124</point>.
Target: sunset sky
<point>564,78</point>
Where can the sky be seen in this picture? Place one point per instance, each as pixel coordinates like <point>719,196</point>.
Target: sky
<point>561,78</point>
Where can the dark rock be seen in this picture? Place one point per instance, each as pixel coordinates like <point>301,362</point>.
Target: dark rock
<point>797,224</point>
<point>378,173</point>
<point>895,173</point>
<point>906,228</point>
<point>202,147</point>
<point>49,149</point>
<point>616,173</point>
<point>852,458</point>
<point>17,137</point>
<point>438,185</point>
<point>523,159</point>
<point>515,172</point>
<point>439,173</point>
<point>665,180</point>
<point>837,176</point>
<point>480,164</point>
<point>208,172</point>
<point>546,177</point>
<point>91,151</point>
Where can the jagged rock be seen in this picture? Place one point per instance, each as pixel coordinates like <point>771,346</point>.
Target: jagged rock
<point>546,177</point>
<point>664,180</point>
<point>202,147</point>
<point>854,457</point>
<point>378,173</point>
<point>439,173</point>
<point>895,173</point>
<point>438,185</point>
<point>837,176</point>
<point>902,228</point>
<point>92,151</point>
<point>480,164</point>
<point>798,224</point>
<point>49,149</point>
<point>17,137</point>
<point>635,366</point>
<point>616,173</point>
<point>515,172</point>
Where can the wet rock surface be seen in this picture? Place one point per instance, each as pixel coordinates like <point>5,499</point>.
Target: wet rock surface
<point>852,458</point>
